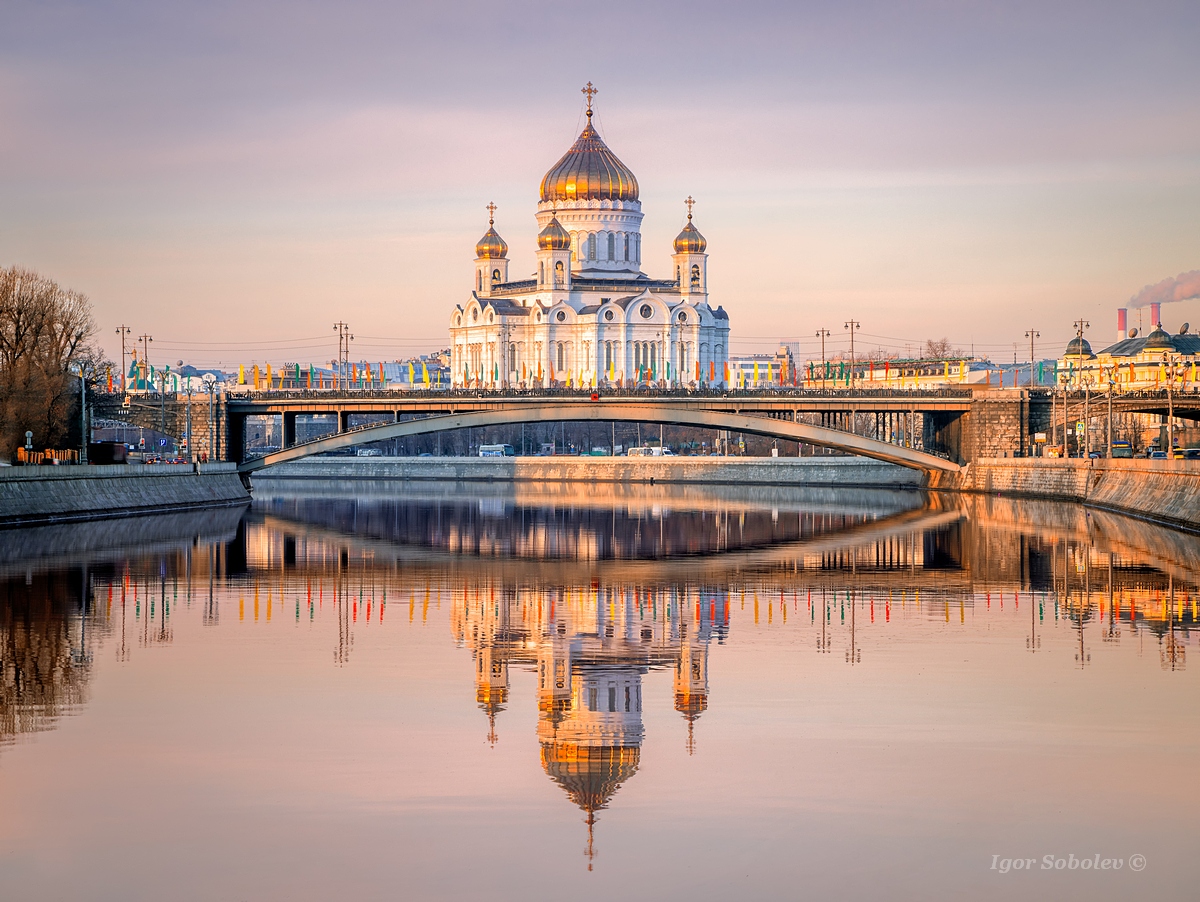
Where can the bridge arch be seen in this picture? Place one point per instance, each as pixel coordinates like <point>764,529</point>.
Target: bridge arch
<point>620,410</point>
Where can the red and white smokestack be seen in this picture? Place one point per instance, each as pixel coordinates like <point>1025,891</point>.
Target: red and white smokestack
<point>1122,323</point>
<point>1155,314</point>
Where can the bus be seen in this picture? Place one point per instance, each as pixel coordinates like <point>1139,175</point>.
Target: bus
<point>497,451</point>
<point>1122,449</point>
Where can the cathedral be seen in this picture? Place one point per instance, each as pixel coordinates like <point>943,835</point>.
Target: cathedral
<point>588,317</point>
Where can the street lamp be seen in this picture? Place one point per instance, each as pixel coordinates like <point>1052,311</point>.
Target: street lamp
<point>1064,380</point>
<point>1109,373</point>
<point>1088,382</point>
<point>1173,371</point>
<point>210,386</point>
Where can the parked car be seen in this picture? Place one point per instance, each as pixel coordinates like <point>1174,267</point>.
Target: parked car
<point>1158,455</point>
<point>1191,454</point>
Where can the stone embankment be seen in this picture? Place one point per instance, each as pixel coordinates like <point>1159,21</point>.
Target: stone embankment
<point>779,471</point>
<point>61,494</point>
<point>1162,491</point>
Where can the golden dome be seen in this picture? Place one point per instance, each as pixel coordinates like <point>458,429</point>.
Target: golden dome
<point>690,241</point>
<point>491,246</point>
<point>554,237</point>
<point>589,171</point>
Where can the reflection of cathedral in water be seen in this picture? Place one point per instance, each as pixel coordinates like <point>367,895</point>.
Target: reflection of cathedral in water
<point>589,648</point>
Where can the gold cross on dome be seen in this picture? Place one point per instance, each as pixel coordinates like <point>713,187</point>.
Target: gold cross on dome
<point>590,92</point>
<point>690,202</point>
<point>491,208</point>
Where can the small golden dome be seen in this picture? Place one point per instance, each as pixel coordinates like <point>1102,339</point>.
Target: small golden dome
<point>554,237</point>
<point>491,246</point>
<point>690,241</point>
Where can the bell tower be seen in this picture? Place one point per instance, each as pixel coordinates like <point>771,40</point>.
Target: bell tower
<point>689,260</point>
<point>554,256</point>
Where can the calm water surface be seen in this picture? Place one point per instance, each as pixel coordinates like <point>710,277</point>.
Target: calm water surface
<point>372,691</point>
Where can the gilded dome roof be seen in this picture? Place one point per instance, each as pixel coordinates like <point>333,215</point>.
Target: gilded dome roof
<point>554,237</point>
<point>589,171</point>
<point>690,241</point>
<point>491,246</point>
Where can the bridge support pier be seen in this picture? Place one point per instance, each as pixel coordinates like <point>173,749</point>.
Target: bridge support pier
<point>289,429</point>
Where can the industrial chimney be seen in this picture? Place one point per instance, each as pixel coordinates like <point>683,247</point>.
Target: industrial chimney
<point>1122,323</point>
<point>1155,314</point>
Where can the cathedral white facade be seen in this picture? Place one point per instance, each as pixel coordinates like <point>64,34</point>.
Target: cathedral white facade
<point>588,316</point>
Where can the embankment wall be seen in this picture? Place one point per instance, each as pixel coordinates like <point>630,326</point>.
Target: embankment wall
<point>1162,491</point>
<point>845,471</point>
<point>62,494</point>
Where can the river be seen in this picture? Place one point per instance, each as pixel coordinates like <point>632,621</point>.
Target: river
<point>647,692</point>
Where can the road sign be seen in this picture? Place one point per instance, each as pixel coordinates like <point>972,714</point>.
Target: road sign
<point>1079,427</point>
<point>1039,437</point>
<point>162,443</point>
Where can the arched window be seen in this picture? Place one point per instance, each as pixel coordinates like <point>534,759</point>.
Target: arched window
<point>495,276</point>
<point>612,246</point>
<point>695,275</point>
<point>593,240</point>
<point>676,273</point>
<point>558,274</point>
<point>479,281</point>
<point>541,273</point>
<point>626,248</point>
<point>561,356</point>
<point>512,358</point>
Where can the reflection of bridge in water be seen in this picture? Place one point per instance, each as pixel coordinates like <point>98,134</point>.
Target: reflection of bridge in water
<point>592,628</point>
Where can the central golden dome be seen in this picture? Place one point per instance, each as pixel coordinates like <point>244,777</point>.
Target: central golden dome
<point>589,171</point>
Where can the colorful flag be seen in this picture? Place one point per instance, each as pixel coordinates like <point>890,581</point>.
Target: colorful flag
<point>424,373</point>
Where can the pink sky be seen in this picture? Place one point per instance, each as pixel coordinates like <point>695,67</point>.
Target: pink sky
<point>232,179</point>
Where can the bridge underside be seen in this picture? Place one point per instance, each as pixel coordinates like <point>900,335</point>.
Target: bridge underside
<point>621,411</point>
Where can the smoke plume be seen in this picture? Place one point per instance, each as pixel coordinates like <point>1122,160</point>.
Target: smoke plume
<point>1183,287</point>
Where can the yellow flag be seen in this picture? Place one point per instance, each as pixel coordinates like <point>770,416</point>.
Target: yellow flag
<point>241,374</point>
<point>756,371</point>
<point>268,377</point>
<point>412,375</point>
<point>424,373</point>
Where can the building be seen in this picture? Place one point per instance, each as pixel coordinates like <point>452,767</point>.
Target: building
<point>1135,363</point>
<point>589,316</point>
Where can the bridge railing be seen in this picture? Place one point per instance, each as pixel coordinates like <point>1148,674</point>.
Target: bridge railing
<point>576,394</point>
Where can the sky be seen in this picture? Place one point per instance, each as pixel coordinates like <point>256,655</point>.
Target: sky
<point>232,178</point>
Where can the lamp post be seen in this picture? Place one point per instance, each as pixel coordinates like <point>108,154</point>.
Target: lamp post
<point>187,438</point>
<point>852,326</point>
<point>83,431</point>
<point>210,385</point>
<point>1173,371</point>
<point>1087,422</point>
<point>822,334</point>
<point>1064,380</point>
<point>1109,372</point>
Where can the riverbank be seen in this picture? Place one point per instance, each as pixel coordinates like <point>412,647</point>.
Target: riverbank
<point>70,493</point>
<point>1161,491</point>
<point>779,471</point>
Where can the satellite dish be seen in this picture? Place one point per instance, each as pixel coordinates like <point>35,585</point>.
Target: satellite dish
<point>1133,332</point>
<point>1183,329</point>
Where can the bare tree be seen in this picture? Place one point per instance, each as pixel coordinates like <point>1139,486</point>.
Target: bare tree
<point>45,331</point>
<point>939,349</point>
